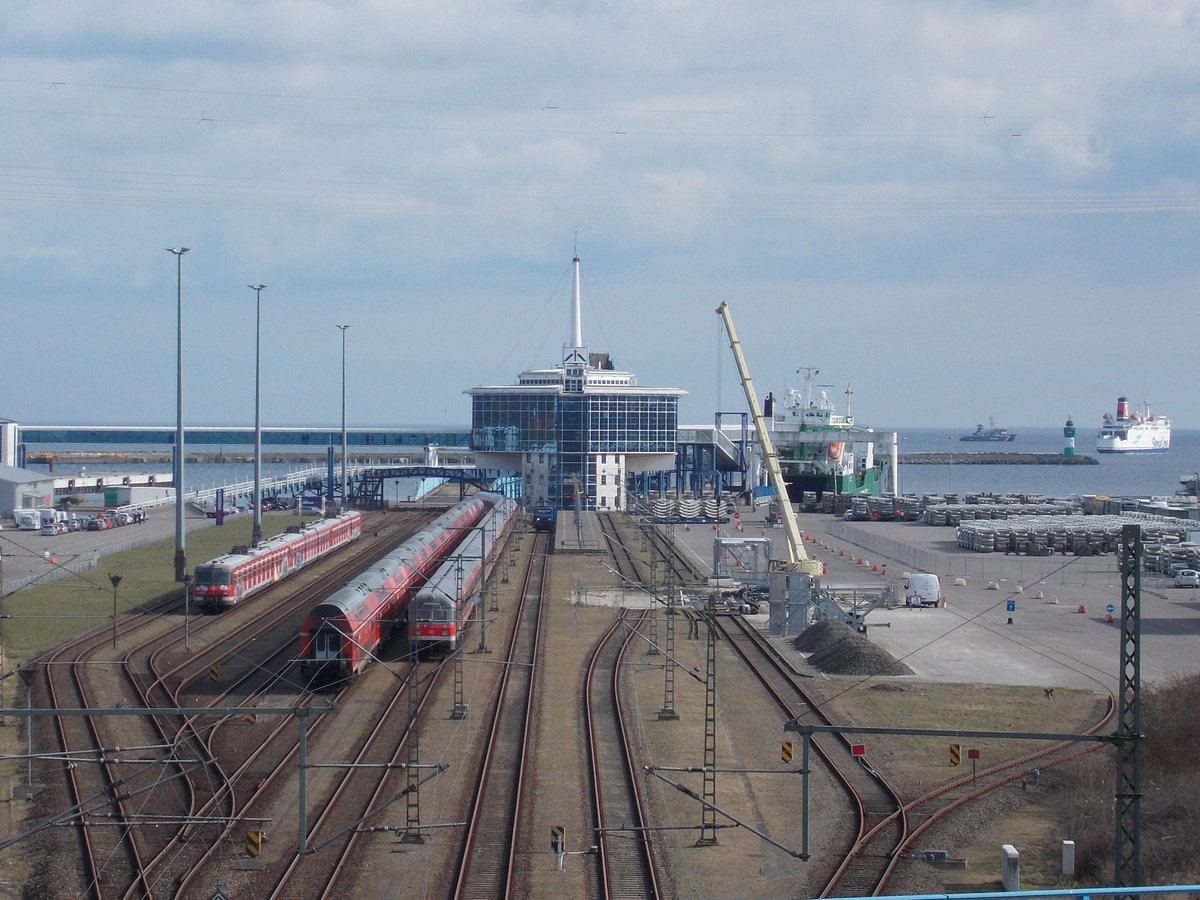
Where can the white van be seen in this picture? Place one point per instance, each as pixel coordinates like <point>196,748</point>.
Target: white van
<point>923,589</point>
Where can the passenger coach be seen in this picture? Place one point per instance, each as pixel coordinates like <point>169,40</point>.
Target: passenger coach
<point>228,580</point>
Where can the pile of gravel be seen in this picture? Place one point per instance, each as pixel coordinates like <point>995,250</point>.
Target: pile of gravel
<point>837,648</point>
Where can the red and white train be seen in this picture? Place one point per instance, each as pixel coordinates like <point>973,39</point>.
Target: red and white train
<point>230,579</point>
<point>442,606</point>
<point>342,634</point>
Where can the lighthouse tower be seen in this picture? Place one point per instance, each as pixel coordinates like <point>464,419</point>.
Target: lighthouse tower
<point>1069,436</point>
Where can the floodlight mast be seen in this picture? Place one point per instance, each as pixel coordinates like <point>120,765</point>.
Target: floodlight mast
<point>798,559</point>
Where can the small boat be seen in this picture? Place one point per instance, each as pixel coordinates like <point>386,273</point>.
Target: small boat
<point>1131,432</point>
<point>991,433</point>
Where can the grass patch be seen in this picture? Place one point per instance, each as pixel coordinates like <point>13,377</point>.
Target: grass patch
<point>40,617</point>
<point>975,707</point>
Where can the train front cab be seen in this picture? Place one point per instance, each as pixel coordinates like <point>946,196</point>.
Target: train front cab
<point>213,587</point>
<point>543,517</point>
<point>323,645</point>
<point>433,624</point>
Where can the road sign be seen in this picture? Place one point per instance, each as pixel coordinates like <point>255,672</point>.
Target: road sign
<point>858,749</point>
<point>972,753</point>
<point>1011,606</point>
<point>254,842</point>
<point>785,751</point>
<point>955,754</point>
<point>1110,608</point>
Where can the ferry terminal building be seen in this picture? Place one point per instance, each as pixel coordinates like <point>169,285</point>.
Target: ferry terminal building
<point>578,429</point>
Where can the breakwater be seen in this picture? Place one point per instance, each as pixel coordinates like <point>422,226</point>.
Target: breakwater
<point>996,459</point>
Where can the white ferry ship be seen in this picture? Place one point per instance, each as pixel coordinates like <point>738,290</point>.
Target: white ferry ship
<point>1133,432</point>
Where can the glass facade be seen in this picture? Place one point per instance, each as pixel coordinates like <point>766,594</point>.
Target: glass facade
<point>513,423</point>
<point>631,423</point>
<point>573,428</point>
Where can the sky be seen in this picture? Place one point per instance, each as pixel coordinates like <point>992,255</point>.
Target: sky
<point>959,210</point>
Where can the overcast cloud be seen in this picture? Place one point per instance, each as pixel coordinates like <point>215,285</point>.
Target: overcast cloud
<point>961,209</point>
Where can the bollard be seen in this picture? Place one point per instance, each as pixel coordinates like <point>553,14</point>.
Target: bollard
<point>1010,868</point>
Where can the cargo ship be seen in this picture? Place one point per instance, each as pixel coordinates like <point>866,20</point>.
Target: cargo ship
<point>991,433</point>
<point>1131,432</point>
<point>821,450</point>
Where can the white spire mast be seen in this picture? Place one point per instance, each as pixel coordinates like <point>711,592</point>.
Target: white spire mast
<point>576,305</point>
<point>575,352</point>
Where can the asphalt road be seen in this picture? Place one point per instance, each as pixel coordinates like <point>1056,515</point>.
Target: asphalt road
<point>1008,620</point>
<point>25,552</point>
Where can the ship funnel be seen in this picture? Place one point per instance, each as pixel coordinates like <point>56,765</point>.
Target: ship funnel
<point>1122,408</point>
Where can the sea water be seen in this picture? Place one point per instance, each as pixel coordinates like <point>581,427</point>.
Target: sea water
<point>1117,475</point>
<point>203,476</point>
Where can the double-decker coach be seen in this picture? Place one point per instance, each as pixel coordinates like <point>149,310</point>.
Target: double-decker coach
<point>442,606</point>
<point>342,634</point>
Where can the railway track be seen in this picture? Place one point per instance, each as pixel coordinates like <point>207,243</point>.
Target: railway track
<point>645,555</point>
<point>146,794</point>
<point>493,837</point>
<point>888,825</point>
<point>625,858</point>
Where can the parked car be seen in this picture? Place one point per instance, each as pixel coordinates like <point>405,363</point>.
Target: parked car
<point>1187,578</point>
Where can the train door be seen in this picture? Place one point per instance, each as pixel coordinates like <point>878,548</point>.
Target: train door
<point>326,645</point>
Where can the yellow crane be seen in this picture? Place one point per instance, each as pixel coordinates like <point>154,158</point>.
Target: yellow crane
<point>798,559</point>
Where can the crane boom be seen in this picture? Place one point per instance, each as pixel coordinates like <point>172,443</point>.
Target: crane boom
<point>797,556</point>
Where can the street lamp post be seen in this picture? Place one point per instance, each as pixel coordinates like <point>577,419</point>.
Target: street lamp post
<point>187,611</point>
<point>180,550</point>
<point>345,484</point>
<point>256,532</point>
<point>115,580</point>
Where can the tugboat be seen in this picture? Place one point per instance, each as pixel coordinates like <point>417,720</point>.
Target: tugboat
<point>1133,432</point>
<point>991,433</point>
